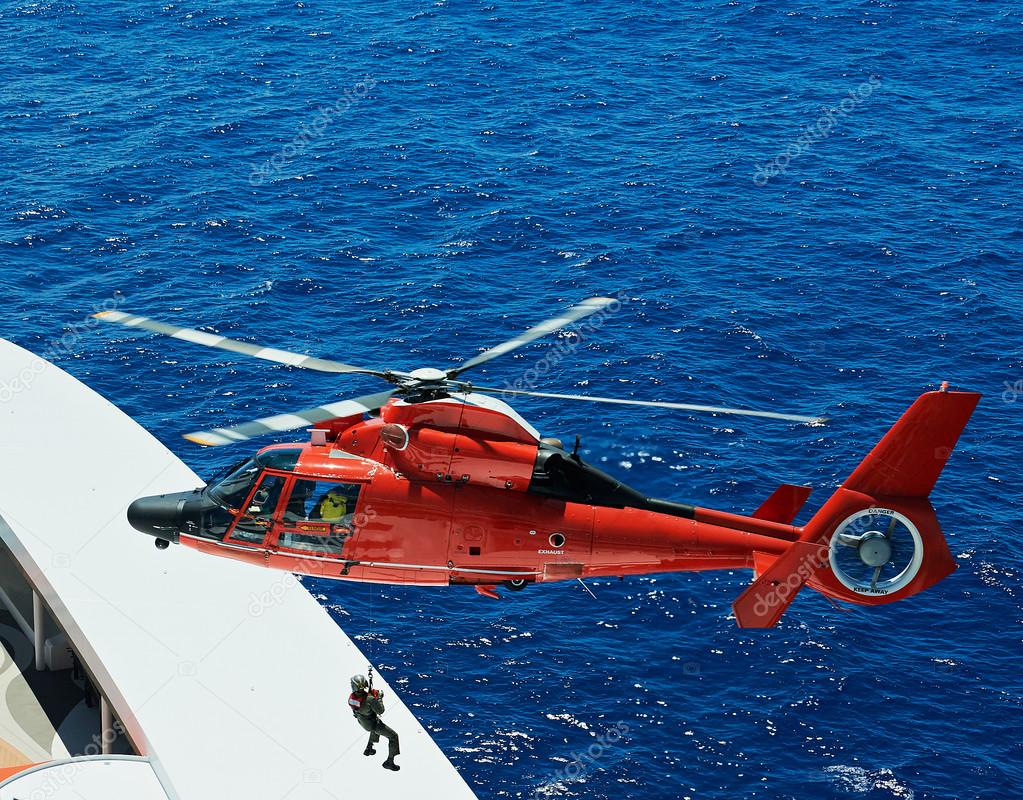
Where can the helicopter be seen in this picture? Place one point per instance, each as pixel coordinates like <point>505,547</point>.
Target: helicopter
<point>439,482</point>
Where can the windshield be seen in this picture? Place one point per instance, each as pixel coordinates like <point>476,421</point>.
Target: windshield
<point>232,490</point>
<point>220,474</point>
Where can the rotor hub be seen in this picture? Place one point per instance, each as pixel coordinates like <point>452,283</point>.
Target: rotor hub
<point>875,549</point>
<point>428,374</point>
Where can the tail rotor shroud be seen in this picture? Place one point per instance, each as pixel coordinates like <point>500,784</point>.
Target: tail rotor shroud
<point>876,550</point>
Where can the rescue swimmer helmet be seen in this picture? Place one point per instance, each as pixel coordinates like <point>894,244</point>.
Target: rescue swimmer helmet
<point>359,683</point>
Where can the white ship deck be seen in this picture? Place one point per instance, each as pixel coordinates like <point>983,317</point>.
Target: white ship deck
<point>231,680</point>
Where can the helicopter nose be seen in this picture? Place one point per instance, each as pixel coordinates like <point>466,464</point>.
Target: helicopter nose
<point>160,516</point>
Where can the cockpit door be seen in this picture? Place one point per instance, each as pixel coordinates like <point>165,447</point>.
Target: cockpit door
<point>318,518</point>
<point>255,519</point>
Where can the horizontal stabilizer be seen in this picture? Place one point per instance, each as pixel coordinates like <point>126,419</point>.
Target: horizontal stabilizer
<point>766,599</point>
<point>783,504</point>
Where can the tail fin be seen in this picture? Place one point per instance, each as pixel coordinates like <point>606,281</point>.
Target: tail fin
<point>783,504</point>
<point>909,459</point>
<point>877,539</point>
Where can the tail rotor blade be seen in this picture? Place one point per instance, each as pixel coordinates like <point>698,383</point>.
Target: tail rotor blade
<point>288,422</point>
<point>657,404</point>
<point>233,346</point>
<point>574,314</point>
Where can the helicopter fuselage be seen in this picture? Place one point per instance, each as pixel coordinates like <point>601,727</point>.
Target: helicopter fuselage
<point>459,490</point>
<point>449,485</point>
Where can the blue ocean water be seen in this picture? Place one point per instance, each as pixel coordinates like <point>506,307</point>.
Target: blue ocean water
<point>810,207</point>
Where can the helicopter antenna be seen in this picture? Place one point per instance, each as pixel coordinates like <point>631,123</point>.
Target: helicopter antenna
<point>587,588</point>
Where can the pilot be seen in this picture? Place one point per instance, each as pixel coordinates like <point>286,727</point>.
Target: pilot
<point>296,509</point>
<point>367,705</point>
<point>334,506</point>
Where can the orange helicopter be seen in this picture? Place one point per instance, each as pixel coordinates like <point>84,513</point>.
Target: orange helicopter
<point>439,482</point>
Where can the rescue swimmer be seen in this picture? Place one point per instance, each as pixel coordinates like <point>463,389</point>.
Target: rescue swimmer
<point>368,705</point>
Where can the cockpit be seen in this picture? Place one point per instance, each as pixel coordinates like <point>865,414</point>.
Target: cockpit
<point>259,503</point>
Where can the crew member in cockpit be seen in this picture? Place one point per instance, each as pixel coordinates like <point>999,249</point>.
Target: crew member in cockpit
<point>296,509</point>
<point>334,506</point>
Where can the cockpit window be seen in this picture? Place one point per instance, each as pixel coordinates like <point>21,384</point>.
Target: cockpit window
<point>220,474</point>
<point>232,490</point>
<point>319,517</point>
<point>255,521</point>
<point>263,502</point>
<point>282,459</point>
<point>322,501</point>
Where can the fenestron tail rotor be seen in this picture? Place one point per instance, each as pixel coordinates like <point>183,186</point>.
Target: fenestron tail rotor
<point>413,386</point>
<point>876,551</point>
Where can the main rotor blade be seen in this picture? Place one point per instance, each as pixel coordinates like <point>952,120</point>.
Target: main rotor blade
<point>223,343</point>
<point>574,314</point>
<point>656,404</point>
<point>289,422</point>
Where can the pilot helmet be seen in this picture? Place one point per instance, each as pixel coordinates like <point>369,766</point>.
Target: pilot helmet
<point>359,683</point>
